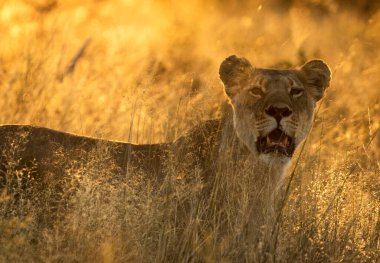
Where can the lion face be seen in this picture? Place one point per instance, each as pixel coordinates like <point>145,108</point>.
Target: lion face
<point>273,109</point>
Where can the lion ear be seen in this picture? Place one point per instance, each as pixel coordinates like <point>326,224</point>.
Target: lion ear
<point>317,76</point>
<point>234,72</point>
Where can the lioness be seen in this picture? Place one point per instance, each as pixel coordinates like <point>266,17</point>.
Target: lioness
<point>272,112</point>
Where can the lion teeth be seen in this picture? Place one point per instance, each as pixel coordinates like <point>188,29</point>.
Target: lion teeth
<point>283,141</point>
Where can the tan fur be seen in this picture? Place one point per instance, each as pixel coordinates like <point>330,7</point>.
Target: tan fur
<point>273,87</point>
<point>50,155</point>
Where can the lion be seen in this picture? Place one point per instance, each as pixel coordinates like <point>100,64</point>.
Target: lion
<point>272,112</point>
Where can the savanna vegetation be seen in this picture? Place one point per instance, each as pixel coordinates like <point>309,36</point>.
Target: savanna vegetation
<point>147,71</point>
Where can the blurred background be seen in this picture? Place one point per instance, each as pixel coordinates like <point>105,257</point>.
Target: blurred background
<point>121,69</point>
<point>146,71</point>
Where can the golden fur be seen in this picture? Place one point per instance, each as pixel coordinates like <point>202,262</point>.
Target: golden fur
<point>272,112</point>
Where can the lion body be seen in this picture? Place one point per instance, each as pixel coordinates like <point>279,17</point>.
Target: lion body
<point>248,150</point>
<point>47,151</point>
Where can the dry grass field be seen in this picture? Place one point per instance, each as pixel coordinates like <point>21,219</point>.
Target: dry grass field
<point>145,72</point>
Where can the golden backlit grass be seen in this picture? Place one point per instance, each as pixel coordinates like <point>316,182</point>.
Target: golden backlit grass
<point>149,72</point>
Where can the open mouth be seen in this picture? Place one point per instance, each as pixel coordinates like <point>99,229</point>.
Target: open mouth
<point>276,142</point>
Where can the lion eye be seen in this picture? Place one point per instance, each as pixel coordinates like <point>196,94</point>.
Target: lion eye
<point>256,91</point>
<point>296,92</point>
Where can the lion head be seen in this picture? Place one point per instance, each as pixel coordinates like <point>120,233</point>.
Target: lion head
<point>273,110</point>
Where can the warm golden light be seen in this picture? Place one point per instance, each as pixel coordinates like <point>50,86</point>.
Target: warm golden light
<point>146,71</point>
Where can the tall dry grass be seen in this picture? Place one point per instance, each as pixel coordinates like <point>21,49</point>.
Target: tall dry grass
<point>149,73</point>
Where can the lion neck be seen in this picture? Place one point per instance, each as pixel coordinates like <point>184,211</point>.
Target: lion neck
<point>262,180</point>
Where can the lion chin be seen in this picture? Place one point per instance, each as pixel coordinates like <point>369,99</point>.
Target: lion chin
<point>273,109</point>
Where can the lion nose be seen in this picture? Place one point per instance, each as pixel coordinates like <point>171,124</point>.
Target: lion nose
<point>279,111</point>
